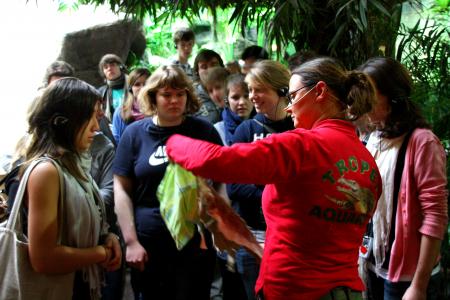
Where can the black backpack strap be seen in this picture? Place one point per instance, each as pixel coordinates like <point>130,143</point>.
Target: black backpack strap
<point>399,166</point>
<point>12,175</point>
<point>397,180</point>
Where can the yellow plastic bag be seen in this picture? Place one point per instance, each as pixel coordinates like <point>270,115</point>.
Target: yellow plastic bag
<point>177,194</point>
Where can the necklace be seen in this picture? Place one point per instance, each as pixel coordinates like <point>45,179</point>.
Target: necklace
<point>157,122</point>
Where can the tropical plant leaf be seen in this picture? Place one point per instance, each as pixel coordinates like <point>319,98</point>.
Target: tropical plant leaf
<point>345,6</point>
<point>362,12</point>
<point>358,23</point>
<point>380,7</point>
<point>337,36</point>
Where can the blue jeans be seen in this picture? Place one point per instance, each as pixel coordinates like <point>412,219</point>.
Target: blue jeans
<point>248,267</point>
<point>379,288</point>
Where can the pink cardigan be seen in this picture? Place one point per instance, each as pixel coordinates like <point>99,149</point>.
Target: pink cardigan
<point>422,202</point>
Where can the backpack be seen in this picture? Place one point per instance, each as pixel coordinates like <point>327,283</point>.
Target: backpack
<point>8,189</point>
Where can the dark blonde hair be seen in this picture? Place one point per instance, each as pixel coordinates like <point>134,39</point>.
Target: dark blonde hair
<point>270,74</point>
<point>126,112</point>
<point>65,108</point>
<point>167,76</point>
<point>354,89</point>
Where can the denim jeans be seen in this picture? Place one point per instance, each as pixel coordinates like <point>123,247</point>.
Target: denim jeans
<point>248,267</point>
<point>379,288</point>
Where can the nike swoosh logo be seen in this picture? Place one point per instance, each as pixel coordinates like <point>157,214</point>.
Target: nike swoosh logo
<point>158,157</point>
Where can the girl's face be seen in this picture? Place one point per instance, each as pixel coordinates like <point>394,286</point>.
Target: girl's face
<point>378,115</point>
<point>138,84</point>
<point>170,105</point>
<point>86,134</point>
<point>239,102</point>
<point>265,99</point>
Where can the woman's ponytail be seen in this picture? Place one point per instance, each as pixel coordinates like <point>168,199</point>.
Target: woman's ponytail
<point>360,97</point>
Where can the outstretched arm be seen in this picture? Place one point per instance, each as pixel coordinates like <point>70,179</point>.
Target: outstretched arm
<point>263,162</point>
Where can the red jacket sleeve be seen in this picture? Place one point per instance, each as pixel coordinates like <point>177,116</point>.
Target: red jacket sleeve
<point>262,162</point>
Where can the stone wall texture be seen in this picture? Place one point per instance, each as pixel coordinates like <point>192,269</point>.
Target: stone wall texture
<point>83,49</point>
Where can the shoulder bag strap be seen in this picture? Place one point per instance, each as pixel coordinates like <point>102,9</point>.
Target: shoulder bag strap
<point>14,217</point>
<point>266,127</point>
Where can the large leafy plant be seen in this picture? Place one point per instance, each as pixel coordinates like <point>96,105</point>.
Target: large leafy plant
<point>352,30</point>
<point>424,49</point>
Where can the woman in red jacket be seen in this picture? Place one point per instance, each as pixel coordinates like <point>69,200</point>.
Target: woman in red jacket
<point>321,184</point>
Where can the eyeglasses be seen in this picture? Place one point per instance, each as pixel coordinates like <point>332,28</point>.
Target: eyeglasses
<point>292,94</point>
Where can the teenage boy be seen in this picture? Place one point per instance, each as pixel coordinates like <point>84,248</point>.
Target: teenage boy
<point>212,94</point>
<point>113,71</point>
<point>184,39</point>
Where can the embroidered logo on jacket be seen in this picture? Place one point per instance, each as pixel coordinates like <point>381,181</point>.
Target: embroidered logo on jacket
<point>354,201</point>
<point>355,197</point>
<point>158,157</point>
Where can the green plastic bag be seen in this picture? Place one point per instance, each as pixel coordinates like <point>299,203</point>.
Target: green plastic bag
<point>177,194</point>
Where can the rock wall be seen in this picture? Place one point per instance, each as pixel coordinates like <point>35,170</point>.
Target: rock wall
<point>84,49</point>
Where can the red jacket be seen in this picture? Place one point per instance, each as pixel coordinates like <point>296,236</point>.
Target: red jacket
<point>321,189</point>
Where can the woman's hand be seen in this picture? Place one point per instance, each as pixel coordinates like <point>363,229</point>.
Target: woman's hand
<point>136,256</point>
<point>114,260</point>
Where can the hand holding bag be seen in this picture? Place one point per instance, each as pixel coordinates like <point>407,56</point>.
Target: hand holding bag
<point>18,279</point>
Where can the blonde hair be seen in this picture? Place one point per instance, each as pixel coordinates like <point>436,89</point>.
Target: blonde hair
<point>167,76</point>
<point>270,74</point>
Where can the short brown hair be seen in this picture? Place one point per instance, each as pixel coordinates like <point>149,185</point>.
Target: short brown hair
<point>183,34</point>
<point>216,75</point>
<point>58,68</point>
<point>167,76</point>
<point>109,59</point>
